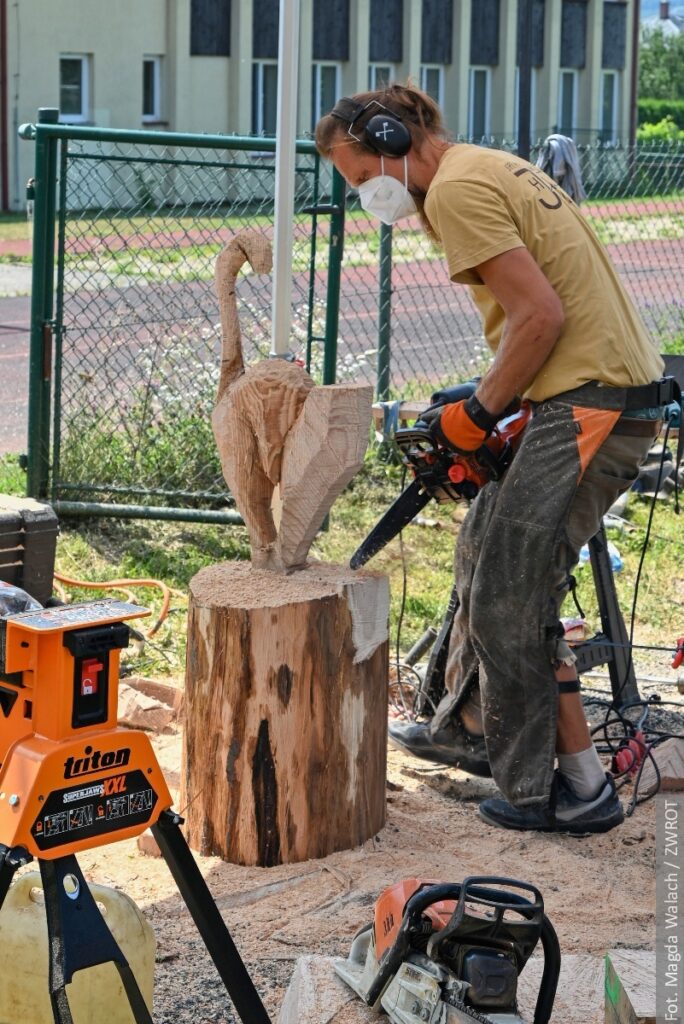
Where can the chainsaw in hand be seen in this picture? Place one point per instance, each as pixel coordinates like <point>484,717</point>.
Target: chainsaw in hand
<point>442,474</point>
<point>452,953</point>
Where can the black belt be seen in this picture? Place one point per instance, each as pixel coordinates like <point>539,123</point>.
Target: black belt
<point>644,396</point>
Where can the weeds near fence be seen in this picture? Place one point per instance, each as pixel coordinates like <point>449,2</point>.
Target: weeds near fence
<point>156,440</point>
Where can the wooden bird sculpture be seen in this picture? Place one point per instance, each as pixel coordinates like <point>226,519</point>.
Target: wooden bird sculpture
<point>275,428</point>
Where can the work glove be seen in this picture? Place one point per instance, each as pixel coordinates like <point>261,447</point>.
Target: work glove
<point>463,426</point>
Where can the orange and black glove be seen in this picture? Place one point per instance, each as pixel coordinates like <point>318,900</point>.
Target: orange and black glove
<point>464,426</point>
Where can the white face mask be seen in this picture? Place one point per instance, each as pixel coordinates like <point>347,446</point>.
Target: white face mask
<point>386,197</point>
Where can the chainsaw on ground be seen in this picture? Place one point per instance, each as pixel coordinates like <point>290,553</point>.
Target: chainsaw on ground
<point>452,953</point>
<point>442,474</point>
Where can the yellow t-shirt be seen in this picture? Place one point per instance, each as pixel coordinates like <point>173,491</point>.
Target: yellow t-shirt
<point>483,202</point>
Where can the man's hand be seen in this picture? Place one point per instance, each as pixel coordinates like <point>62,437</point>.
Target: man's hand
<point>462,426</point>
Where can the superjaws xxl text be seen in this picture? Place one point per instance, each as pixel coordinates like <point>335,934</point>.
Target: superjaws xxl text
<point>70,777</point>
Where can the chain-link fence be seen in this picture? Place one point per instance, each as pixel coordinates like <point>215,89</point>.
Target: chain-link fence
<point>635,205</point>
<point>120,411</point>
<point>141,218</point>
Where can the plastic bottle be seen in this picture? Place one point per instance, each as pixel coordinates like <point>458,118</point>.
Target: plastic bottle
<point>13,600</point>
<point>616,563</point>
<point>95,995</point>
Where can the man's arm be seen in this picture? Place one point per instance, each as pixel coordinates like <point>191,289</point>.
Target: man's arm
<point>534,318</point>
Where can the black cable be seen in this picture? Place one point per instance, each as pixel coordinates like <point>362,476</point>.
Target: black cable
<point>402,605</point>
<point>644,548</point>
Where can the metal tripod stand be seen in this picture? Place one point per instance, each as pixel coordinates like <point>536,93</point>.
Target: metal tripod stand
<point>78,936</point>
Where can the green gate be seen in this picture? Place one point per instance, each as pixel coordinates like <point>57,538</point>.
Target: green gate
<point>125,337</point>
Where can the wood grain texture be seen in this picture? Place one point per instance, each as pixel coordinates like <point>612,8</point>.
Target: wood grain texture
<point>323,451</point>
<point>669,756</point>
<point>275,430</point>
<point>284,751</point>
<point>630,993</point>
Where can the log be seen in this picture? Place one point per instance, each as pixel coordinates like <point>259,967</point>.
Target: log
<point>284,751</point>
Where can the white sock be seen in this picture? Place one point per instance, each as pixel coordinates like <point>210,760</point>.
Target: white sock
<point>584,772</point>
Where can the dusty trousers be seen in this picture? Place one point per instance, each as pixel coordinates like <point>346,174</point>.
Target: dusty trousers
<point>515,552</point>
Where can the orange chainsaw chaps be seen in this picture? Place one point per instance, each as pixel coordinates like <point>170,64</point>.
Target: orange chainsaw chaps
<point>593,427</point>
<point>389,911</point>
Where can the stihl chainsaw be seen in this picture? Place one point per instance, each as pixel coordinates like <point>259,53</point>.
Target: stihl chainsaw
<point>452,953</point>
<point>442,474</point>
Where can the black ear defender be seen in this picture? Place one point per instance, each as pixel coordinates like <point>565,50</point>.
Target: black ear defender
<point>384,132</point>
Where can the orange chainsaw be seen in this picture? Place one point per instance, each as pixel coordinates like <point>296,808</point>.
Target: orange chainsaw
<point>452,953</point>
<point>442,474</point>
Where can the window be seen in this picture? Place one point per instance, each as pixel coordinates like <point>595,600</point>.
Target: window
<point>614,45</point>
<point>380,76</point>
<point>151,108</point>
<point>609,106</point>
<point>330,30</point>
<point>264,97</point>
<point>386,26</point>
<point>537,11</point>
<point>326,89</point>
<point>479,103</point>
<point>573,53</point>
<point>533,103</point>
<point>437,19</point>
<point>567,103</point>
<point>432,82</point>
<point>484,32</point>
<point>74,88</point>
<point>209,28</point>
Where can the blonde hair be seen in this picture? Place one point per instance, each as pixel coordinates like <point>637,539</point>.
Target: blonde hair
<point>416,110</point>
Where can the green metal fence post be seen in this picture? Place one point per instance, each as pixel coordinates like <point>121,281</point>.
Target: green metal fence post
<point>384,312</point>
<point>40,357</point>
<point>335,252</point>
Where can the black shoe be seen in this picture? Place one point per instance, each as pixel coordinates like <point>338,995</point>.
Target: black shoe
<point>566,812</point>
<point>451,745</point>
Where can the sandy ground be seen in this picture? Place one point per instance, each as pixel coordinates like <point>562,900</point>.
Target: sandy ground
<point>599,891</point>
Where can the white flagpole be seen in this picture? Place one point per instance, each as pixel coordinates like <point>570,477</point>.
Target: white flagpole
<point>286,133</point>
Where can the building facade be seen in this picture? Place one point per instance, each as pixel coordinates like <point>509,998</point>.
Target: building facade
<point>211,65</point>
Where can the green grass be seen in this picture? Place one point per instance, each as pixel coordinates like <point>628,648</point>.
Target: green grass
<point>174,552</point>
<point>14,226</point>
<point>672,345</point>
<point>11,258</point>
<point>12,477</point>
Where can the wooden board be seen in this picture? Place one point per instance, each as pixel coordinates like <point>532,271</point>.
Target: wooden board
<point>669,756</point>
<point>630,996</point>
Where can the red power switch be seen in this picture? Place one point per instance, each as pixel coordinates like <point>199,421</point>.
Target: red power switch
<point>90,670</point>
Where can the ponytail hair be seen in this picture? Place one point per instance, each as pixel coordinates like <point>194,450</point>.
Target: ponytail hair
<point>416,110</point>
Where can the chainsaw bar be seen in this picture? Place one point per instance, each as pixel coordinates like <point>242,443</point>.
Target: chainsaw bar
<point>405,508</point>
<point>467,1011</point>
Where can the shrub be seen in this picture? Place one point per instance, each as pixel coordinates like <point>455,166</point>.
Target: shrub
<point>652,111</point>
<point>665,130</point>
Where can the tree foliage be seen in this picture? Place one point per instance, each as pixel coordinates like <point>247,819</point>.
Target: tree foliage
<point>661,65</point>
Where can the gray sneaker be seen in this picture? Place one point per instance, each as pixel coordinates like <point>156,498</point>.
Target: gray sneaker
<point>566,812</point>
<point>451,745</point>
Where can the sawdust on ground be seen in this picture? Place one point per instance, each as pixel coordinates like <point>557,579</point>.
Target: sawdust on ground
<point>599,891</point>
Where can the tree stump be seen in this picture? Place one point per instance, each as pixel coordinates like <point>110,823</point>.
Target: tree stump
<point>284,753</point>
